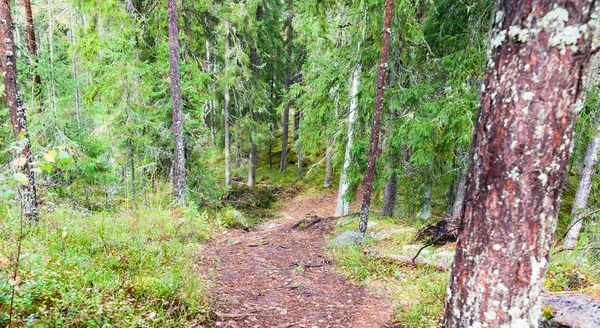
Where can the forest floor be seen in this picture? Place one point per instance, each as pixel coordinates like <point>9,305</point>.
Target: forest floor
<point>276,276</point>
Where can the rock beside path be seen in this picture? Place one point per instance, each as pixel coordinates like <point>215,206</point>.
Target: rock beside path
<point>346,238</point>
<point>572,310</point>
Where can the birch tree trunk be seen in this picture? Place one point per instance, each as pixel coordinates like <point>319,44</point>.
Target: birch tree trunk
<point>343,206</point>
<point>539,56</point>
<point>179,187</point>
<point>379,98</point>
<point>583,190</point>
<point>32,45</point>
<point>18,113</point>
<point>226,111</point>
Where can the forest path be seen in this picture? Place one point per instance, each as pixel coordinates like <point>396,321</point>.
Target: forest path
<point>279,277</point>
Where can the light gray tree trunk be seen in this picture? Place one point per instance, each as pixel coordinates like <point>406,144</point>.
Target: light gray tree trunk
<point>252,164</point>
<point>179,187</point>
<point>530,98</point>
<point>425,212</point>
<point>343,206</point>
<point>226,112</point>
<point>583,190</point>
<point>459,197</point>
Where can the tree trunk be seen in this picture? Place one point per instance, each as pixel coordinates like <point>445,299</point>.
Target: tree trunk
<point>179,187</point>
<point>286,108</point>
<point>539,56</point>
<point>379,98</point>
<point>390,192</point>
<point>343,206</point>
<point>390,195</point>
<point>238,152</point>
<point>298,143</point>
<point>51,47</point>
<point>459,196</point>
<point>75,75</point>
<point>32,45</point>
<point>583,191</point>
<point>226,111</point>
<point>252,166</point>
<point>129,6</point>
<point>328,155</point>
<point>18,113</point>
<point>256,73</point>
<point>425,212</point>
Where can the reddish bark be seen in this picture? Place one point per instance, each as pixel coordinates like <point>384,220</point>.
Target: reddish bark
<point>531,94</point>
<point>18,112</point>
<point>379,98</point>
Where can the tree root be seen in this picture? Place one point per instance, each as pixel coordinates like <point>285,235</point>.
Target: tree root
<point>306,223</point>
<point>407,260</point>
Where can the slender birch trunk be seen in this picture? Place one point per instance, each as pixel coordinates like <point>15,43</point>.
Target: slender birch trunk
<point>530,98</point>
<point>343,205</point>
<point>583,190</point>
<point>179,187</point>
<point>378,110</point>
<point>226,111</point>
<point>18,113</point>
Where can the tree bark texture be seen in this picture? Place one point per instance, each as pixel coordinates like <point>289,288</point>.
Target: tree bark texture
<point>539,56</point>
<point>226,112</point>
<point>379,99</point>
<point>343,206</point>
<point>583,190</point>
<point>179,187</point>
<point>286,108</point>
<point>32,45</point>
<point>18,113</point>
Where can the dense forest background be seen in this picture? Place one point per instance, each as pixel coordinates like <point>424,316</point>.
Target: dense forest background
<point>273,94</point>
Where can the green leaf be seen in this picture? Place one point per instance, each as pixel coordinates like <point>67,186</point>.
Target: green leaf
<point>21,178</point>
<point>46,167</point>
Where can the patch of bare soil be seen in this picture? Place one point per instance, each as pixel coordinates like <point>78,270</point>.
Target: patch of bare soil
<point>280,277</point>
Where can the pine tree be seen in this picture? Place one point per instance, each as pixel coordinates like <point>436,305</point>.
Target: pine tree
<point>520,152</point>
<point>378,111</point>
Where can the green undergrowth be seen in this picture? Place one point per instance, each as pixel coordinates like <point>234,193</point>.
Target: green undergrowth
<point>122,269</point>
<point>418,293</point>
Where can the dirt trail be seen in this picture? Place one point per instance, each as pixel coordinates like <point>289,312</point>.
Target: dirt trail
<point>277,277</point>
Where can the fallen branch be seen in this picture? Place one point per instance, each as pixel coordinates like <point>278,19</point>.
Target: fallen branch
<point>407,260</point>
<point>581,218</point>
<point>432,243</point>
<point>305,223</point>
